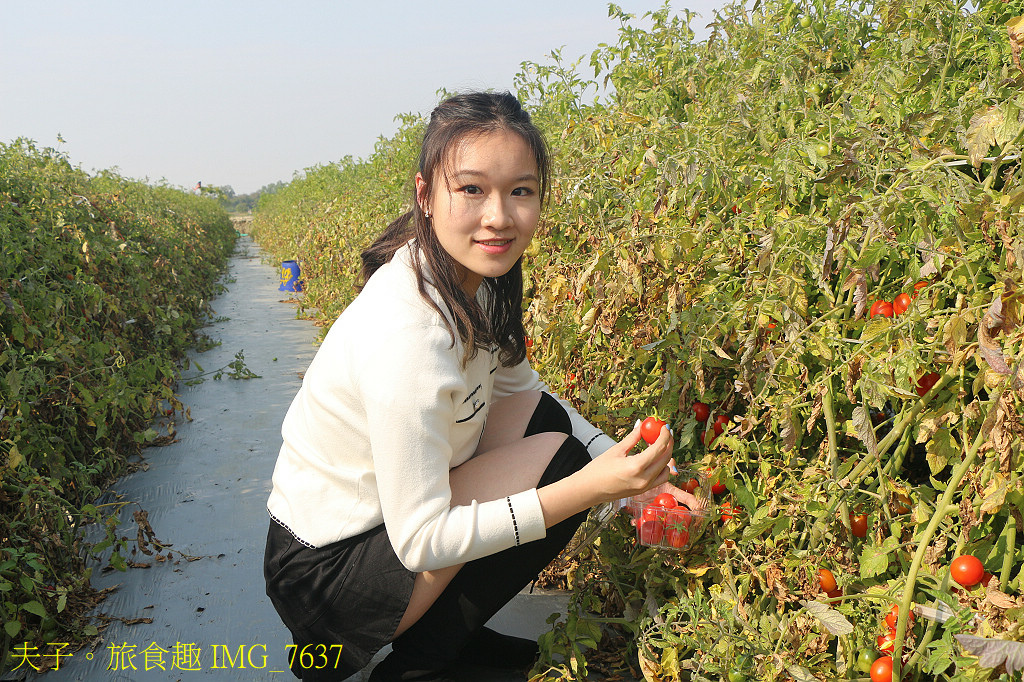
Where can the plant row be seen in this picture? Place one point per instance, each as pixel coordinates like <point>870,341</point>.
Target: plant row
<point>103,282</point>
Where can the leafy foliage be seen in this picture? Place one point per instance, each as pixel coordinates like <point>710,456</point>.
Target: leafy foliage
<point>102,282</point>
<point>721,223</point>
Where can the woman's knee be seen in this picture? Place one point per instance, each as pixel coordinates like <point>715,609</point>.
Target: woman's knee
<point>570,457</point>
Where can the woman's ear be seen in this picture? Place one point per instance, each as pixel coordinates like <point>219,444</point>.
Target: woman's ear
<point>421,193</point>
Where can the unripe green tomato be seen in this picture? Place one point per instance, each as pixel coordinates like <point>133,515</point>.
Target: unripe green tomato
<point>737,676</point>
<point>822,149</point>
<point>864,660</point>
<point>805,21</point>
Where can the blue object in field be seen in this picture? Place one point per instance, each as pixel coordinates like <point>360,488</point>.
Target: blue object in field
<point>290,276</point>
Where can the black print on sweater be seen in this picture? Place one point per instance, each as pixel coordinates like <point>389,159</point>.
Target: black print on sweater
<point>476,403</point>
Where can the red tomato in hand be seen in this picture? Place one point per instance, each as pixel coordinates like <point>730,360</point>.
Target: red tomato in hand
<point>651,429</point>
<point>966,570</point>
<point>666,501</point>
<point>701,411</point>
<point>901,303</point>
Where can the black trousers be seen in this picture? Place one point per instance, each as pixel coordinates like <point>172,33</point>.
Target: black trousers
<point>354,593</point>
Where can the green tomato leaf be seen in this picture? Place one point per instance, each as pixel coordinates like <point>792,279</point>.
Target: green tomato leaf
<point>874,559</point>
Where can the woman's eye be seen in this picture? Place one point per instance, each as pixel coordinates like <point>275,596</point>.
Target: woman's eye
<point>470,189</point>
<point>522,192</point>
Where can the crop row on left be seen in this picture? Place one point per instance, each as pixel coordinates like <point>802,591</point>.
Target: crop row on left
<point>103,282</point>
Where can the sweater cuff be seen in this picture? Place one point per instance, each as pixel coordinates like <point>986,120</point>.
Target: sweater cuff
<point>599,445</point>
<point>526,516</point>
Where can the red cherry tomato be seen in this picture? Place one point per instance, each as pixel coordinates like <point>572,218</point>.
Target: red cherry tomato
<point>691,485</point>
<point>680,517</point>
<point>653,512</point>
<point>834,594</point>
<point>883,308</point>
<point>901,303</point>
<point>651,531</point>
<point>666,501</point>
<point>881,670</point>
<point>651,429</point>
<point>720,422</point>
<point>966,570</point>
<point>718,488</point>
<point>894,614</point>
<point>859,525</point>
<point>917,287</point>
<point>925,383</point>
<point>701,411</point>
<point>677,537</point>
<point>727,512</point>
<point>826,580</point>
<point>886,642</point>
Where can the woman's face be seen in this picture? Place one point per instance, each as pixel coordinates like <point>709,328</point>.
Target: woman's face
<point>486,211</point>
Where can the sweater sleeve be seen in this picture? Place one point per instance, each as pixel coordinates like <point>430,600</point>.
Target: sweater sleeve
<point>409,384</point>
<point>523,377</point>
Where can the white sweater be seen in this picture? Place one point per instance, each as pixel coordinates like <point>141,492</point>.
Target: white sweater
<point>386,408</point>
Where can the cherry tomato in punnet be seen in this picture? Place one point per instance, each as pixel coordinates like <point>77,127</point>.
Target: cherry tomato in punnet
<point>859,525</point>
<point>881,670</point>
<point>651,532</point>
<point>966,570</point>
<point>677,537</point>
<point>701,411</point>
<point>680,517</point>
<point>651,429</point>
<point>901,303</point>
<point>826,580</point>
<point>665,500</point>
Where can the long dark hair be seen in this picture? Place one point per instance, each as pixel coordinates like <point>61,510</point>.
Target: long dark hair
<point>451,122</point>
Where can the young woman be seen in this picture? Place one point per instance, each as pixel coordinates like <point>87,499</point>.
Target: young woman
<point>427,474</point>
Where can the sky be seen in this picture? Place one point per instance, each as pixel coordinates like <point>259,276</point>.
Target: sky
<point>248,93</point>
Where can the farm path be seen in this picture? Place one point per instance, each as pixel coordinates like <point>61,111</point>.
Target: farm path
<point>206,495</point>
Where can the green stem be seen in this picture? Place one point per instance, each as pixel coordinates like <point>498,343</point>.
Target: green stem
<point>942,508</point>
<point>1010,532</point>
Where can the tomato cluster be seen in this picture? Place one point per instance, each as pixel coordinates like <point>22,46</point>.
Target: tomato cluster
<point>898,305</point>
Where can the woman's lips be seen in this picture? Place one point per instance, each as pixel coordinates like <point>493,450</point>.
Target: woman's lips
<point>495,246</point>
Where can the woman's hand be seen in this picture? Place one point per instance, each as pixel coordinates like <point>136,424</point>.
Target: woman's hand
<point>617,474</point>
